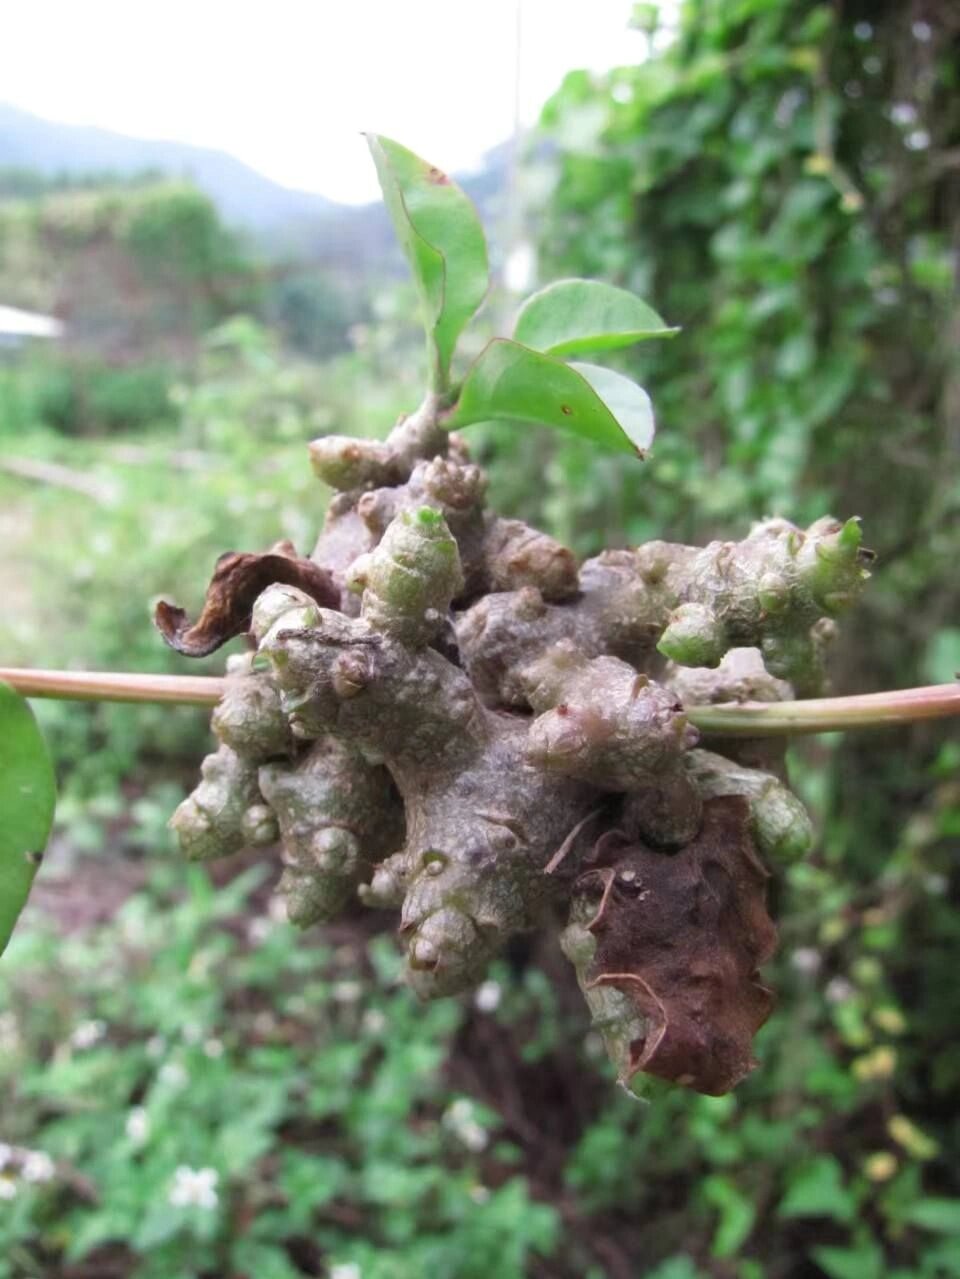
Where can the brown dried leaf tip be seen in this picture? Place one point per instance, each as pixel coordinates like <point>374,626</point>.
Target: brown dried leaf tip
<point>238,579</point>
<point>681,936</point>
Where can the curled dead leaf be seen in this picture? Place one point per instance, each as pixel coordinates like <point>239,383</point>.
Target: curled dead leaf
<point>681,936</point>
<point>239,577</point>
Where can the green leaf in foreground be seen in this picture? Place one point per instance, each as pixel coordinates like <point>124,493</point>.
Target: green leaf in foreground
<point>574,316</point>
<point>510,382</point>
<point>628,402</point>
<point>27,798</point>
<point>440,233</point>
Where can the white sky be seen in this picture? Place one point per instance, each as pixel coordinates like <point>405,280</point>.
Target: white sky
<point>288,85</point>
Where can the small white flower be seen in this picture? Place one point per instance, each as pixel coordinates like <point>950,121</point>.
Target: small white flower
<point>918,140</point>
<point>192,1033</point>
<point>345,1270</point>
<point>839,990</point>
<point>346,992</point>
<point>863,30</point>
<point>8,1188</point>
<point>936,883</point>
<point>88,1033</point>
<point>458,1112</point>
<point>922,31</point>
<point>37,1166</point>
<point>487,998</point>
<point>194,1188</point>
<point>213,1048</point>
<point>5,1153</point>
<point>156,1046</point>
<point>903,113</point>
<point>473,1136</point>
<point>479,1194</point>
<point>374,1022</point>
<point>460,1118</point>
<point>173,1074</point>
<point>806,959</point>
<point>259,930</point>
<point>138,1125</point>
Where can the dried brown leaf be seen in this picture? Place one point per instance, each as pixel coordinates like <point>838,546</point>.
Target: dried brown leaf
<point>682,936</point>
<point>238,579</point>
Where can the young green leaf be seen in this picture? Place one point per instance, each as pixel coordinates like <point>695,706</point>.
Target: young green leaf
<point>574,316</point>
<point>441,235</point>
<point>509,381</point>
<point>628,402</point>
<point>27,798</point>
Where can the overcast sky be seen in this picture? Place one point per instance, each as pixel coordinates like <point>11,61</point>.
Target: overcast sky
<point>287,85</point>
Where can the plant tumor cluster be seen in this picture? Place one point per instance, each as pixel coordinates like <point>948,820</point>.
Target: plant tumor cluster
<point>441,712</point>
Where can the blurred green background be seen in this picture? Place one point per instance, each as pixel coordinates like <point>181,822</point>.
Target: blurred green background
<point>188,1088</point>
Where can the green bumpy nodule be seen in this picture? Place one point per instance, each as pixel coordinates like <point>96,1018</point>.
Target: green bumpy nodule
<point>409,581</point>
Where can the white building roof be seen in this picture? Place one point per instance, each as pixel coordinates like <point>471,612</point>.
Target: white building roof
<point>27,324</point>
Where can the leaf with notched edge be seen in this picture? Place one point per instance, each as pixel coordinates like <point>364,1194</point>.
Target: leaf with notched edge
<point>237,580</point>
<point>681,936</point>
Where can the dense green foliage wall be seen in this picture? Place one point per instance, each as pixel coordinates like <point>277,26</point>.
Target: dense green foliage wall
<point>782,182</point>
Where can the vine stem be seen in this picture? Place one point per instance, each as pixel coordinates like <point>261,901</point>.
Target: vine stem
<point>742,719</point>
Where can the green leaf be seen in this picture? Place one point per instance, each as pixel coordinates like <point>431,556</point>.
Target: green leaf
<point>816,1189</point>
<point>510,382</point>
<point>737,1215</point>
<point>441,235</point>
<point>941,1215</point>
<point>573,316</point>
<point>27,798</point>
<point>863,1261</point>
<point>628,402</point>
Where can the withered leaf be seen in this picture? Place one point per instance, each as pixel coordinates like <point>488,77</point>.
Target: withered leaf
<point>682,936</point>
<point>239,577</point>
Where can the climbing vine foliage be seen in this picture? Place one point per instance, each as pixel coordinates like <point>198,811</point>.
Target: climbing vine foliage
<point>441,712</point>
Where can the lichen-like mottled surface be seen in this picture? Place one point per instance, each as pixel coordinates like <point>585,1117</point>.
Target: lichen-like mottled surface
<point>485,736</point>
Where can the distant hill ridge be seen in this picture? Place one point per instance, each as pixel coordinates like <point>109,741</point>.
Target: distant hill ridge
<point>245,198</point>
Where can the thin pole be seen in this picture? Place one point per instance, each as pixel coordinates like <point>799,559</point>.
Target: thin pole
<point>109,686</point>
<point>744,719</point>
<point>827,714</point>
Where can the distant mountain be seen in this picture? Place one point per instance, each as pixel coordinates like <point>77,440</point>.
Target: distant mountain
<point>286,221</point>
<point>245,197</point>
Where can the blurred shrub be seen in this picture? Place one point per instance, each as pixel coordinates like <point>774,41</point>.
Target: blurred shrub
<point>229,473</point>
<point>193,1088</point>
<point>186,1093</point>
<point>137,271</point>
<point>313,311</point>
<point>83,396</point>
